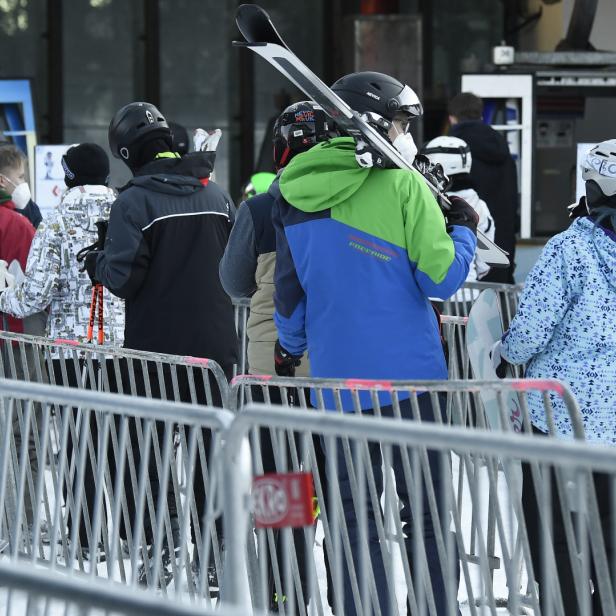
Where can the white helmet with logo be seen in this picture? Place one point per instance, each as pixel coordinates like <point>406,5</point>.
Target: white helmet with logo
<point>451,153</point>
<point>599,173</point>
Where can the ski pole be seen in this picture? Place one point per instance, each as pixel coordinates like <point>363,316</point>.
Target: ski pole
<point>101,333</point>
<point>92,313</point>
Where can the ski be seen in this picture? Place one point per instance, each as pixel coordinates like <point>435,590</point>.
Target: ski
<point>261,36</point>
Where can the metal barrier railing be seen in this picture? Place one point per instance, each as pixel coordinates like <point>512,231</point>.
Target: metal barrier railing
<point>455,312</point>
<point>450,402</point>
<point>93,484</point>
<point>390,545</point>
<point>112,369</point>
<point>28,591</point>
<point>460,303</point>
<point>241,308</point>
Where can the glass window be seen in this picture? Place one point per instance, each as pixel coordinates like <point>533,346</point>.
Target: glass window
<point>99,69</point>
<point>462,40</point>
<point>23,50</point>
<point>195,57</point>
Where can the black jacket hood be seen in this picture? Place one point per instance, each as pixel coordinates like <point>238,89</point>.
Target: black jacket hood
<point>175,176</point>
<point>486,144</point>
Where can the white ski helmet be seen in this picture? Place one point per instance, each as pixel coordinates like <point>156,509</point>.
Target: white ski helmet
<point>599,172</point>
<point>451,153</point>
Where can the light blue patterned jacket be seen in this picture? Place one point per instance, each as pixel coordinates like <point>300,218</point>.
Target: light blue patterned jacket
<point>565,327</point>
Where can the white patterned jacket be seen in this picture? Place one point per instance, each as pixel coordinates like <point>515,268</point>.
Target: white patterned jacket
<point>52,277</point>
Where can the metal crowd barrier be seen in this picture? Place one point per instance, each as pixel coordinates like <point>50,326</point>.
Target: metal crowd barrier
<point>242,310</point>
<point>460,303</point>
<point>28,591</point>
<point>453,334</point>
<point>112,369</point>
<point>450,402</point>
<point>90,482</point>
<point>390,545</point>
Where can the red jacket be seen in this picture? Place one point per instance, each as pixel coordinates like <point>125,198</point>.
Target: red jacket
<point>16,233</point>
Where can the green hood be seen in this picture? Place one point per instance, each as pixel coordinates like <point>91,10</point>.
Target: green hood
<point>324,176</point>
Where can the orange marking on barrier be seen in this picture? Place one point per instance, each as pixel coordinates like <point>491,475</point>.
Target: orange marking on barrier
<point>367,383</point>
<point>540,384</point>
<point>197,360</point>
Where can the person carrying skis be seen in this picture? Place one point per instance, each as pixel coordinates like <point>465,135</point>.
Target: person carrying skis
<point>359,250</point>
<point>167,232</point>
<point>565,329</point>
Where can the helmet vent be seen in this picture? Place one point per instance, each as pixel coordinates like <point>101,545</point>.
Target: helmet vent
<point>141,125</point>
<point>376,86</point>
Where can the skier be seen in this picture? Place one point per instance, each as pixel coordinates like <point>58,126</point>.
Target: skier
<point>359,250</point>
<point>247,270</point>
<point>53,280</point>
<point>454,156</point>
<point>565,329</point>
<point>494,173</point>
<point>13,185</point>
<point>167,233</point>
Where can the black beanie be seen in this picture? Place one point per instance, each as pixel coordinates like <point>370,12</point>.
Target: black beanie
<point>86,163</point>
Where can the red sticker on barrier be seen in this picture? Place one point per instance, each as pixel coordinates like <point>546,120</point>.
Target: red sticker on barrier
<point>283,500</point>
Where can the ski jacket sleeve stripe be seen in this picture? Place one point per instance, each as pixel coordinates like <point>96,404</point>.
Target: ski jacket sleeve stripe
<point>123,265</point>
<point>441,259</point>
<point>544,302</point>
<point>289,297</point>
<point>239,263</point>
<point>35,293</point>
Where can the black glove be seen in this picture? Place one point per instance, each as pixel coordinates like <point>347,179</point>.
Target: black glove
<point>284,362</point>
<point>579,209</point>
<point>462,214</point>
<point>89,264</point>
<point>90,253</point>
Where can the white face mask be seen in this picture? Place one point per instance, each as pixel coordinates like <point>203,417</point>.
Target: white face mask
<point>21,195</point>
<point>405,144</point>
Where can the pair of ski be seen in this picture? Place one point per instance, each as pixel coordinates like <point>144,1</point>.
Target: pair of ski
<point>262,37</point>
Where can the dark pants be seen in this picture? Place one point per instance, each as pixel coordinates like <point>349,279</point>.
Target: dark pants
<point>149,385</point>
<point>377,567</point>
<point>533,518</point>
<point>268,459</point>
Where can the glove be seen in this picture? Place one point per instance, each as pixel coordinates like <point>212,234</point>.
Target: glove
<point>206,141</point>
<point>462,214</point>
<point>499,362</point>
<point>89,264</point>
<point>89,254</point>
<point>579,209</point>
<point>101,228</point>
<point>6,280</point>
<point>284,362</point>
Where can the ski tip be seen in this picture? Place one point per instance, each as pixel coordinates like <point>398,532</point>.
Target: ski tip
<point>255,25</point>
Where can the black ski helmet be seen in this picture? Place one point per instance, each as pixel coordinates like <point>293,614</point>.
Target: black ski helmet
<point>298,128</point>
<point>372,92</point>
<point>131,124</point>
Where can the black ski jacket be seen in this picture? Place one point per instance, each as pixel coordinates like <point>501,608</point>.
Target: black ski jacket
<point>167,233</point>
<point>495,177</point>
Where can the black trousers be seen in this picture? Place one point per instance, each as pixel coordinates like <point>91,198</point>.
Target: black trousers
<point>268,458</point>
<point>175,386</point>
<point>569,583</point>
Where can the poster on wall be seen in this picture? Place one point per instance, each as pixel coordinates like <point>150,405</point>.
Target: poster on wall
<point>582,151</point>
<point>49,176</point>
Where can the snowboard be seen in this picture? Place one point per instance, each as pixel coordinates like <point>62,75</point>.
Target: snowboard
<point>261,36</point>
<point>483,329</point>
